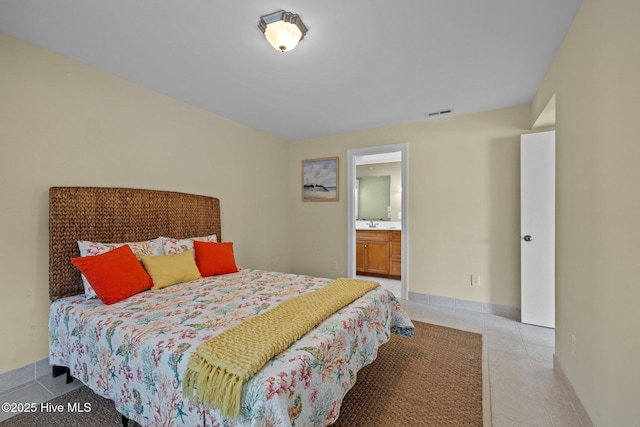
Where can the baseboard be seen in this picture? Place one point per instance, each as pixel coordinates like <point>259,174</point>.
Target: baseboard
<point>573,397</point>
<point>23,375</point>
<point>481,307</point>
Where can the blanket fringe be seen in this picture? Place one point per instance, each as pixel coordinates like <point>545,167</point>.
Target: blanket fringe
<point>218,386</point>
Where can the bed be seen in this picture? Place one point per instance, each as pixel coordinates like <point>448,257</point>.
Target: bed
<point>136,351</point>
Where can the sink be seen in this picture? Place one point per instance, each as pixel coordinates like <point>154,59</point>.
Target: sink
<point>379,225</point>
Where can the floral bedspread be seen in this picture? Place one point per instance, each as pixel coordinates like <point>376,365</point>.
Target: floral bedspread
<point>134,352</point>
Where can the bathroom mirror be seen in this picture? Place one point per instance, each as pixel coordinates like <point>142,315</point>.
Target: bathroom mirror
<point>374,200</point>
<point>383,201</point>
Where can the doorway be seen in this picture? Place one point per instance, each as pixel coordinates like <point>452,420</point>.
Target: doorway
<point>399,215</point>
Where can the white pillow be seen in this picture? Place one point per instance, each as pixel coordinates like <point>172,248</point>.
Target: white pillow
<point>175,246</point>
<point>151,247</point>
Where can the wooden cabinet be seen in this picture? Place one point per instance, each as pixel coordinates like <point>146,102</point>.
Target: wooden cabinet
<point>378,252</point>
<point>395,253</point>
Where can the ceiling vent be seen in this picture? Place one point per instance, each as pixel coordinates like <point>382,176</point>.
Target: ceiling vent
<point>439,113</point>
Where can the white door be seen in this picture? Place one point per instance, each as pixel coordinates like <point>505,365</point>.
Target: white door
<point>537,228</point>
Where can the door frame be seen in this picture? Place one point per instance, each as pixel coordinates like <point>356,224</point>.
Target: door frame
<point>352,155</point>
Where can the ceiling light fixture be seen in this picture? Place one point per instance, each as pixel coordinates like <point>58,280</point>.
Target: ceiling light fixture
<point>283,30</point>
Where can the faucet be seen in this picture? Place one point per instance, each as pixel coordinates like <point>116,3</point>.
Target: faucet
<point>372,224</point>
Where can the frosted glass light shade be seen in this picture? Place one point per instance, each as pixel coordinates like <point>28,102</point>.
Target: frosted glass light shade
<point>283,36</point>
<point>283,30</point>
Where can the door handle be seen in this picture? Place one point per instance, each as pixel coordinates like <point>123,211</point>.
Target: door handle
<point>528,238</point>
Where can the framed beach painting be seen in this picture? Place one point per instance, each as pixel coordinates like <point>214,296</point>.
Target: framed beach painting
<point>320,180</point>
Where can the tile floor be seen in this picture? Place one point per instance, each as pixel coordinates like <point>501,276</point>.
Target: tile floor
<point>523,388</point>
<point>42,389</point>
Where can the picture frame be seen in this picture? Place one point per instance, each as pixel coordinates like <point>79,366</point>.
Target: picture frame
<point>320,180</point>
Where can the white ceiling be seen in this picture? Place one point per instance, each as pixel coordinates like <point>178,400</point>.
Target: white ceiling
<point>363,63</point>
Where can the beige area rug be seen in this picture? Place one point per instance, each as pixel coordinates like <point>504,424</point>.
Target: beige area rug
<point>431,379</point>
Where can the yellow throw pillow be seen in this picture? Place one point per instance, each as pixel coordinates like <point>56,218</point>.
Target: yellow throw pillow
<point>167,270</point>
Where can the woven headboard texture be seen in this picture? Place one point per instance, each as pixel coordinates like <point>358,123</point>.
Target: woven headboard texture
<point>117,215</point>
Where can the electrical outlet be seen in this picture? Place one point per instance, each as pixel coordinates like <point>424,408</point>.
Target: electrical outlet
<point>475,280</point>
<point>334,265</point>
<point>574,345</point>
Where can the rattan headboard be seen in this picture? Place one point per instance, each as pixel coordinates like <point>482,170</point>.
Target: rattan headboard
<point>114,215</point>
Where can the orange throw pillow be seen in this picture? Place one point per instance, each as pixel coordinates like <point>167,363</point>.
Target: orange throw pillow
<point>114,275</point>
<point>215,258</point>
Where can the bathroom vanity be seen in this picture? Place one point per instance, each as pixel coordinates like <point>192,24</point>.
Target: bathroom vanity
<point>378,252</point>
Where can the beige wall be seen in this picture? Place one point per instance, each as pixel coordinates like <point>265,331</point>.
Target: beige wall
<point>464,209</point>
<point>595,76</point>
<point>63,123</point>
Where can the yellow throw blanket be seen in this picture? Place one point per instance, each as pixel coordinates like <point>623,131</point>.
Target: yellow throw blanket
<point>219,368</point>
